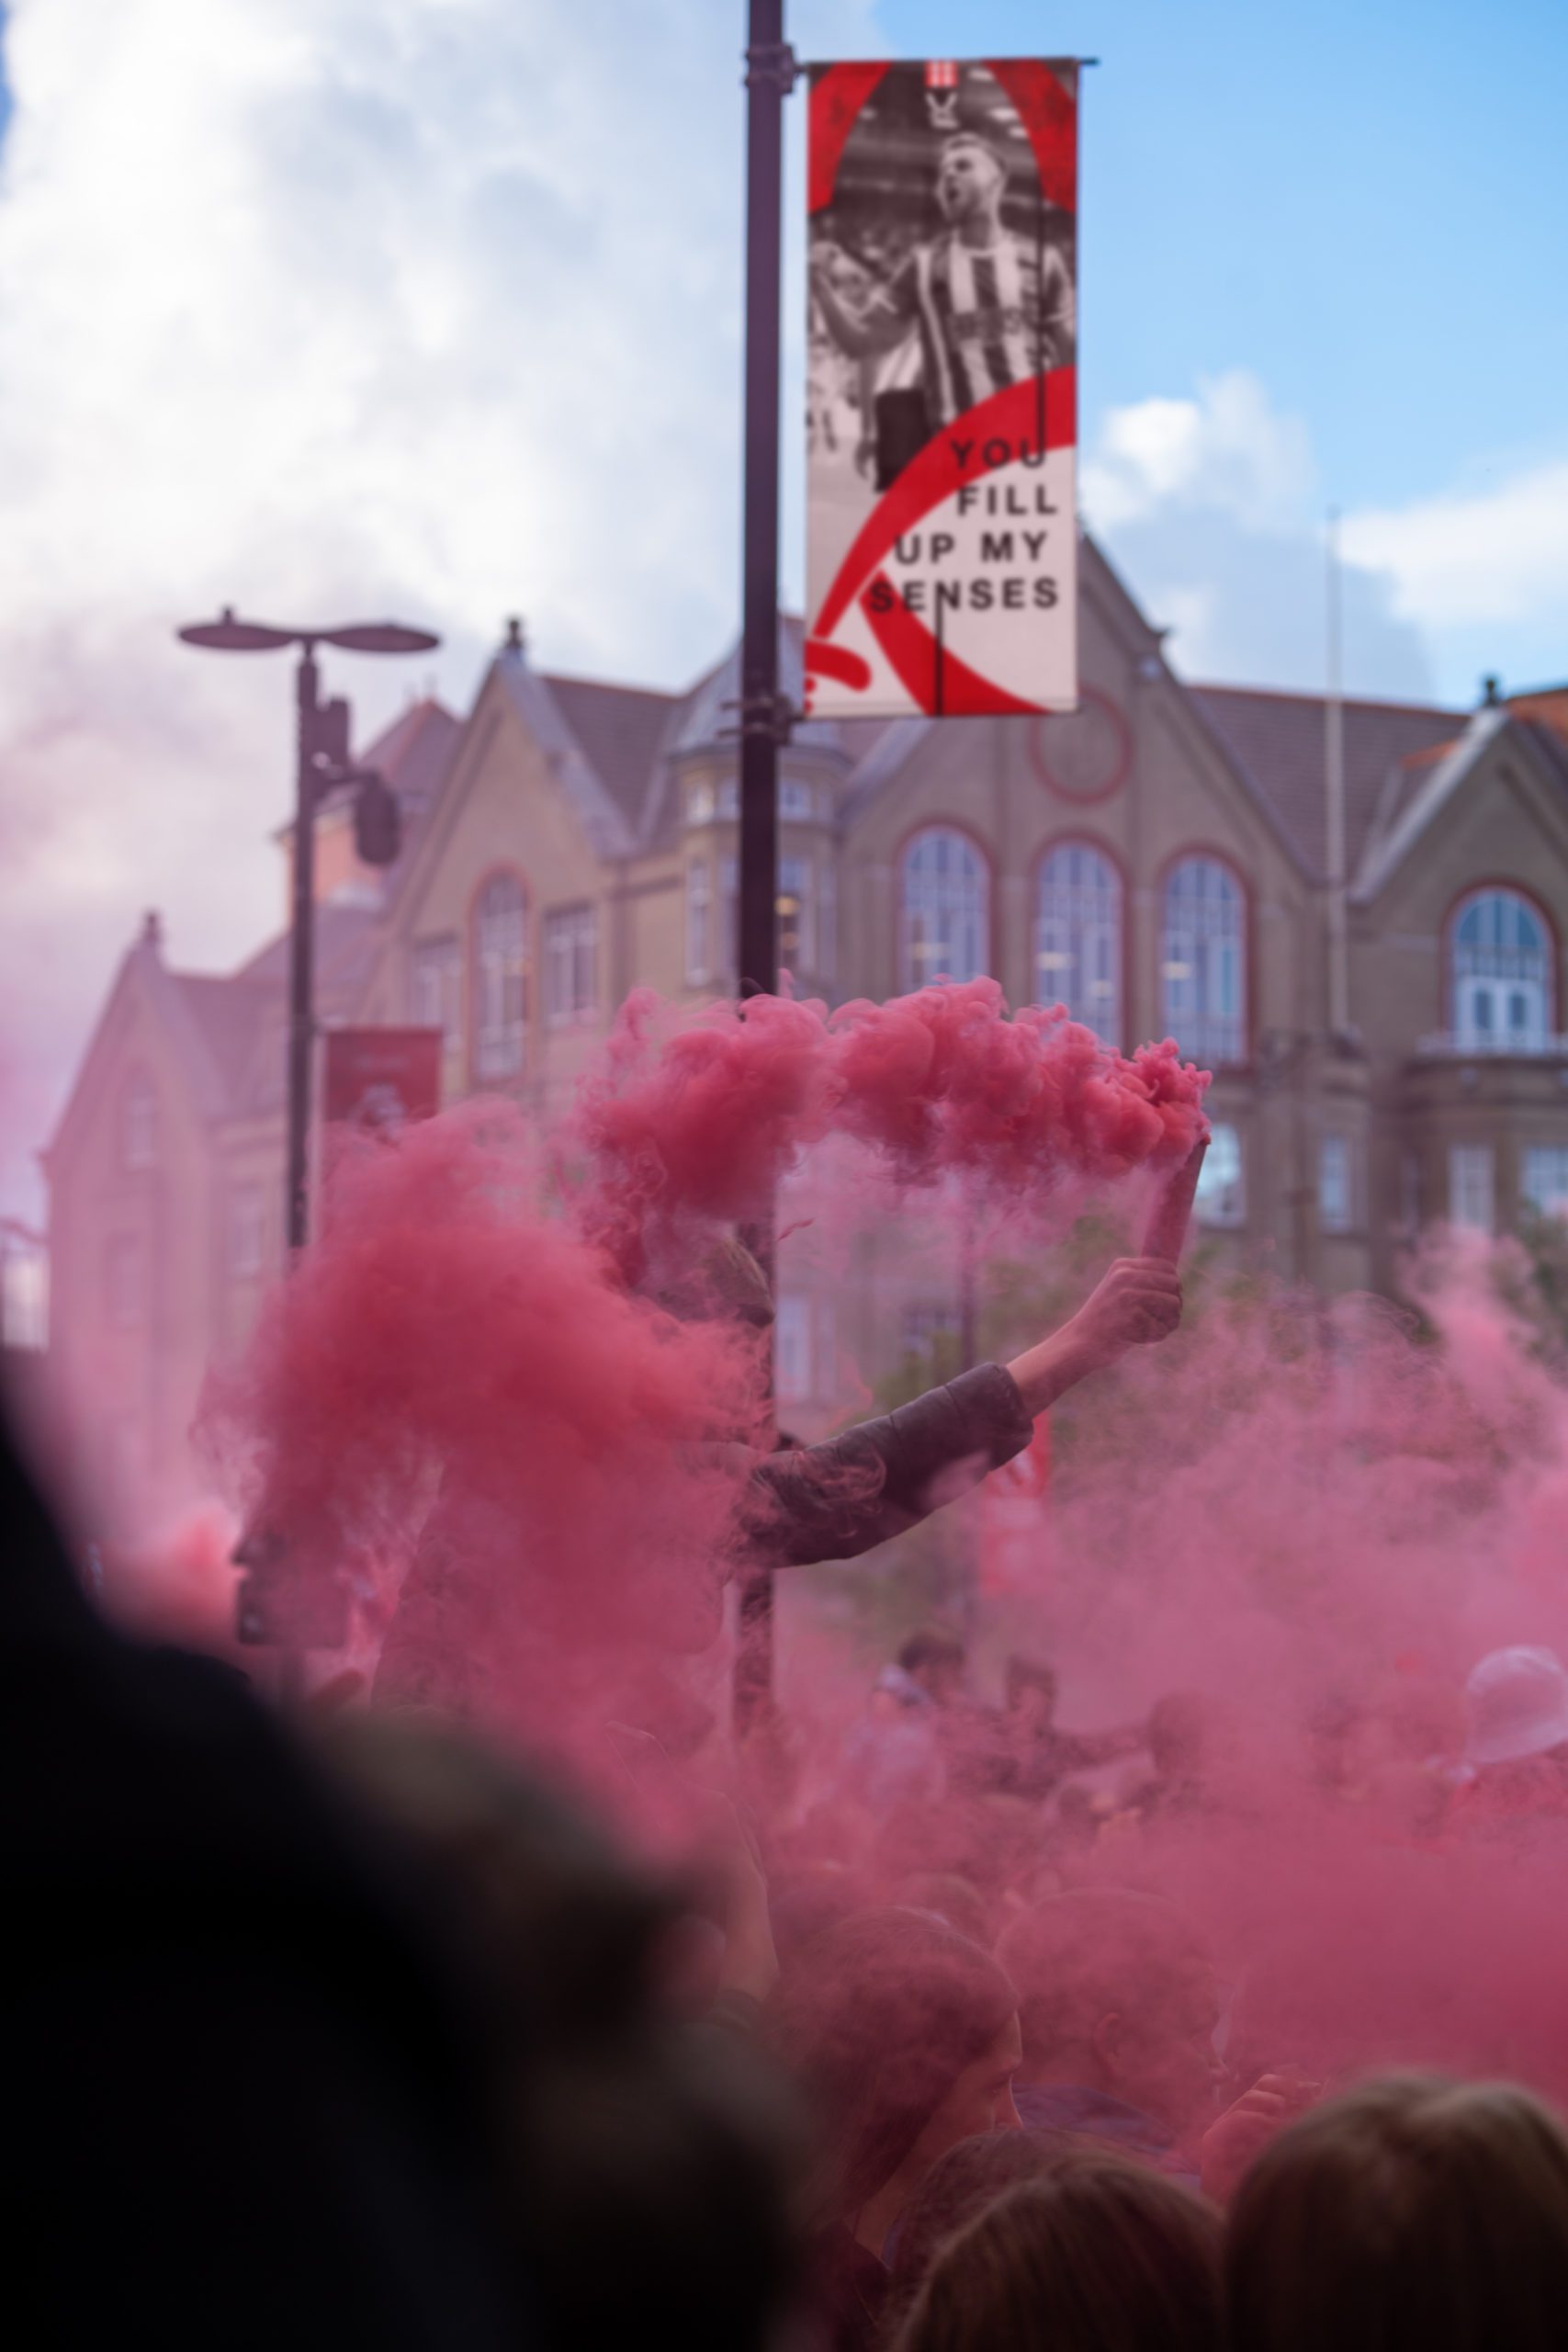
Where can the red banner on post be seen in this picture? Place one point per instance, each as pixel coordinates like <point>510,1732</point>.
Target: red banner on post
<point>381,1079</point>
<point>941,534</point>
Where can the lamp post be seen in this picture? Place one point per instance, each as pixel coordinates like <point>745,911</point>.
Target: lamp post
<point>321,760</point>
<point>279,1601</point>
<point>764,720</point>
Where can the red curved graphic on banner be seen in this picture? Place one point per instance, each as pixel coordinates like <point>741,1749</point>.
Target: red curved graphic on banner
<point>1051,118</point>
<point>955,456</point>
<point>838,661</point>
<point>836,98</point>
<point>917,659</point>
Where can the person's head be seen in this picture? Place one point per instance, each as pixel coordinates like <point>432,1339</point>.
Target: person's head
<point>1413,2215</point>
<point>1029,1688</point>
<point>644,2182</point>
<point>1095,2255</point>
<point>1517,1703</point>
<point>905,2036</point>
<point>971,2176</point>
<point>970,177</point>
<point>949,1895</point>
<point>936,1659</point>
<point>1117,1993</point>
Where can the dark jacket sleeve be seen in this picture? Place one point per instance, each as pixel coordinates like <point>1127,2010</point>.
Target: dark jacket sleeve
<point>834,1500</point>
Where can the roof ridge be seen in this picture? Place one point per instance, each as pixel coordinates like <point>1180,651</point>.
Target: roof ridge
<point>608,686</point>
<point>1301,694</point>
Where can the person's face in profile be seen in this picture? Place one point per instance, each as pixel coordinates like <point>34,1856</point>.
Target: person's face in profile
<point>966,185</point>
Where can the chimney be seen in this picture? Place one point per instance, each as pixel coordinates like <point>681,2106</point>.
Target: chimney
<point>152,931</point>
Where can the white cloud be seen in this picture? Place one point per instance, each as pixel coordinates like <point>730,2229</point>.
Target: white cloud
<point>1492,555</point>
<point>333,307</point>
<point>1211,505</point>
<point>1228,450</point>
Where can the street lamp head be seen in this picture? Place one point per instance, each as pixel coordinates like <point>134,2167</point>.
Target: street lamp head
<point>379,637</point>
<point>227,635</point>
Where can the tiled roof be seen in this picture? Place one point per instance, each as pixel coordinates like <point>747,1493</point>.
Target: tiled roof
<point>621,729</point>
<point>1278,741</point>
<point>344,939</point>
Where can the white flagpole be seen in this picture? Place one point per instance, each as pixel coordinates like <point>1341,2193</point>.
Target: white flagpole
<point>1334,791</point>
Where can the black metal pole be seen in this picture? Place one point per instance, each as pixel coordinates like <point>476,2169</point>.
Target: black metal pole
<point>301,1028</point>
<point>766,75</point>
<point>301,959</point>
<point>769,74</point>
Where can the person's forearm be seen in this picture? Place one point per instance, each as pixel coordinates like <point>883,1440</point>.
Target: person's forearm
<point>1048,1371</point>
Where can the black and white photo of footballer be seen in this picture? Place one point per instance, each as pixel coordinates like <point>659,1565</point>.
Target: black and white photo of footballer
<point>941,276</point>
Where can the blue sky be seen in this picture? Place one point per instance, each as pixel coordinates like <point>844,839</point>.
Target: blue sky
<point>343,307</point>
<point>1366,206</point>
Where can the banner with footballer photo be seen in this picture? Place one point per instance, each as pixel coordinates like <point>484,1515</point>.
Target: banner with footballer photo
<point>942,389</point>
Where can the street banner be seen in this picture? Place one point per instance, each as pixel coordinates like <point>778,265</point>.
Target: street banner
<point>941,388</point>
<point>381,1079</point>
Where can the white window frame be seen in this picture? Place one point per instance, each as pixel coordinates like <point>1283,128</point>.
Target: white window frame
<point>1543,1179</point>
<point>1221,1182</point>
<point>571,960</point>
<point>699,922</point>
<point>435,987</point>
<point>500,979</point>
<point>797,801</point>
<point>1473,1187</point>
<point>1204,976</point>
<point>1500,973</point>
<point>944,907</point>
<point>1335,1182</point>
<point>1078,936</point>
<point>728,944</point>
<point>796,882</point>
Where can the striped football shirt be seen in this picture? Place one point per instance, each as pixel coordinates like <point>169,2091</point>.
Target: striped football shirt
<point>988,316</point>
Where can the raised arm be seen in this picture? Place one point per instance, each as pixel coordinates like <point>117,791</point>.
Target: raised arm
<point>835,1500</point>
<point>864,334</point>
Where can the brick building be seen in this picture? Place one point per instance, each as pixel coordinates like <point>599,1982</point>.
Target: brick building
<point>1158,861</point>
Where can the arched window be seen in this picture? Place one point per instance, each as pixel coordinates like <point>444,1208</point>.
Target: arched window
<point>946,911</point>
<point>1078,937</point>
<point>138,1122</point>
<point>500,977</point>
<point>1203,960</point>
<point>1500,975</point>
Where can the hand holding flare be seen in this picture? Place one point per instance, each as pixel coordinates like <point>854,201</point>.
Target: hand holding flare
<point>1136,1302</point>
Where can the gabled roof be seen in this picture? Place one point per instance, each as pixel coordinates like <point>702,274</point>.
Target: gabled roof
<point>620,730</point>
<point>228,1017</point>
<point>1277,739</point>
<point>605,822</point>
<point>1433,787</point>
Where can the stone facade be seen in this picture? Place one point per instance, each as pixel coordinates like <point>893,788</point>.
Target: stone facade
<point>1159,860</point>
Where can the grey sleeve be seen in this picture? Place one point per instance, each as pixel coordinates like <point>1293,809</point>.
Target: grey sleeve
<point>834,1500</point>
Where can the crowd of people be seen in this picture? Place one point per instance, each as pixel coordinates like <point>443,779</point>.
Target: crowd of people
<point>338,2023</point>
<point>348,2028</point>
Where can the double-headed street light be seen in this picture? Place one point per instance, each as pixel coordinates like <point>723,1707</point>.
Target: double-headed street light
<point>323,762</point>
